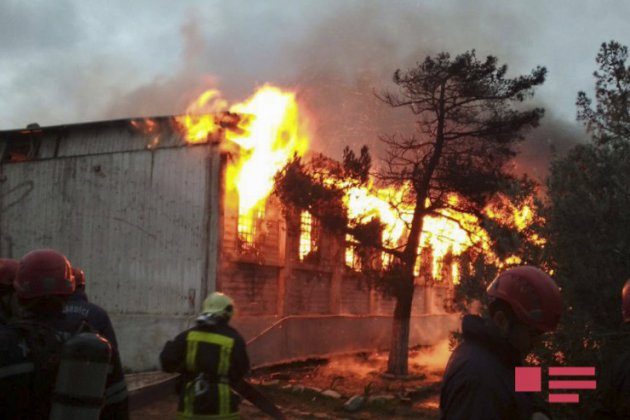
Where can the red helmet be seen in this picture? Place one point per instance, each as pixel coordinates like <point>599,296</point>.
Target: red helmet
<point>79,276</point>
<point>625,301</point>
<point>533,295</point>
<point>8,268</point>
<point>43,272</point>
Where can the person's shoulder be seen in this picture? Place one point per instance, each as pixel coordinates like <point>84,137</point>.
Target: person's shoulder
<point>96,309</point>
<point>234,332</point>
<point>473,361</point>
<point>226,330</point>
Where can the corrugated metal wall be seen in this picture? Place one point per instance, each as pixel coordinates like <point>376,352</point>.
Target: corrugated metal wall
<point>134,221</point>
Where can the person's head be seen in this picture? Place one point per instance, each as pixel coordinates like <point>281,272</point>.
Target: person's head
<point>525,303</point>
<point>8,268</point>
<point>625,302</point>
<point>79,278</point>
<point>43,282</point>
<point>217,308</point>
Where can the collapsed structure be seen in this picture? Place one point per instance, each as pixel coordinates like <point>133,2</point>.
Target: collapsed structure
<point>155,224</point>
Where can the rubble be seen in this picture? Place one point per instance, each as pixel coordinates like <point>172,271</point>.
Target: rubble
<point>355,403</point>
<point>331,393</point>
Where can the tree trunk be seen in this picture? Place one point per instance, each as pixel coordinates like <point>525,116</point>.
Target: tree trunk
<point>397,363</point>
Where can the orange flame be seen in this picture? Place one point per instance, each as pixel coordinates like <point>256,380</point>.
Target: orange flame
<point>150,128</point>
<point>269,131</point>
<point>453,233</point>
<point>200,119</point>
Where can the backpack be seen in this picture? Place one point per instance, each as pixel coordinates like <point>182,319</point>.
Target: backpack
<point>45,345</point>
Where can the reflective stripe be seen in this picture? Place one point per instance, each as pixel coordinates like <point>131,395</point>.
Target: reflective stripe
<point>230,416</point>
<point>225,344</point>
<point>191,355</point>
<point>17,369</point>
<point>224,398</point>
<point>189,399</point>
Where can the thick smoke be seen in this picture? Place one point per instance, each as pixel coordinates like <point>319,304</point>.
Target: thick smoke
<point>337,63</point>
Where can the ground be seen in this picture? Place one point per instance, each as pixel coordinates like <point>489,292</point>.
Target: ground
<point>298,387</point>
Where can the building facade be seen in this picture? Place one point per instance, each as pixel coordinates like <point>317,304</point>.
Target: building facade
<point>152,222</point>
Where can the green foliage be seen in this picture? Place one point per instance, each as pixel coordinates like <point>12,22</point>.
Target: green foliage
<point>469,118</point>
<point>357,167</point>
<point>609,121</point>
<point>480,267</point>
<point>305,187</point>
<point>589,226</point>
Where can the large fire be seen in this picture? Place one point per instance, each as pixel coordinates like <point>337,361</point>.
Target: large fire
<point>269,130</point>
<point>271,133</point>
<point>450,234</point>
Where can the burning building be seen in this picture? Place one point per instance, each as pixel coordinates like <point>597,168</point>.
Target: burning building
<point>159,212</point>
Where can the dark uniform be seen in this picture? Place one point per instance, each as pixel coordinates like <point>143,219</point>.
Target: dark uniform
<point>78,309</point>
<point>479,378</point>
<point>27,380</point>
<point>614,398</point>
<point>210,358</point>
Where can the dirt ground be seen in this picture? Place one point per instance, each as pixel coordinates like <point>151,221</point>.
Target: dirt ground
<point>298,387</point>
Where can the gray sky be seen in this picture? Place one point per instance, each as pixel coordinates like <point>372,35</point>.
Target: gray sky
<point>69,61</point>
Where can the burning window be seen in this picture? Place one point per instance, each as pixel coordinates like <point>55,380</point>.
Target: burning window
<point>249,228</point>
<point>353,259</point>
<point>309,237</point>
<point>425,263</point>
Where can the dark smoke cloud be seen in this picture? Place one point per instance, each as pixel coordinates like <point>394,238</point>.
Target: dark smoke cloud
<point>84,61</point>
<point>551,140</point>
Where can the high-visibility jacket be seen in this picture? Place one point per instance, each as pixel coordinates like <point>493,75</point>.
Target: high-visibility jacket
<point>210,358</point>
<point>26,393</point>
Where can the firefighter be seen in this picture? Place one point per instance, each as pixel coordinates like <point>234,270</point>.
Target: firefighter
<point>78,311</point>
<point>79,308</point>
<point>479,381</point>
<point>8,268</point>
<point>31,348</point>
<point>614,399</point>
<point>212,360</point>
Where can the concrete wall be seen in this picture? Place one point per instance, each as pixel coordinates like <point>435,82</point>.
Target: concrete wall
<point>299,337</point>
